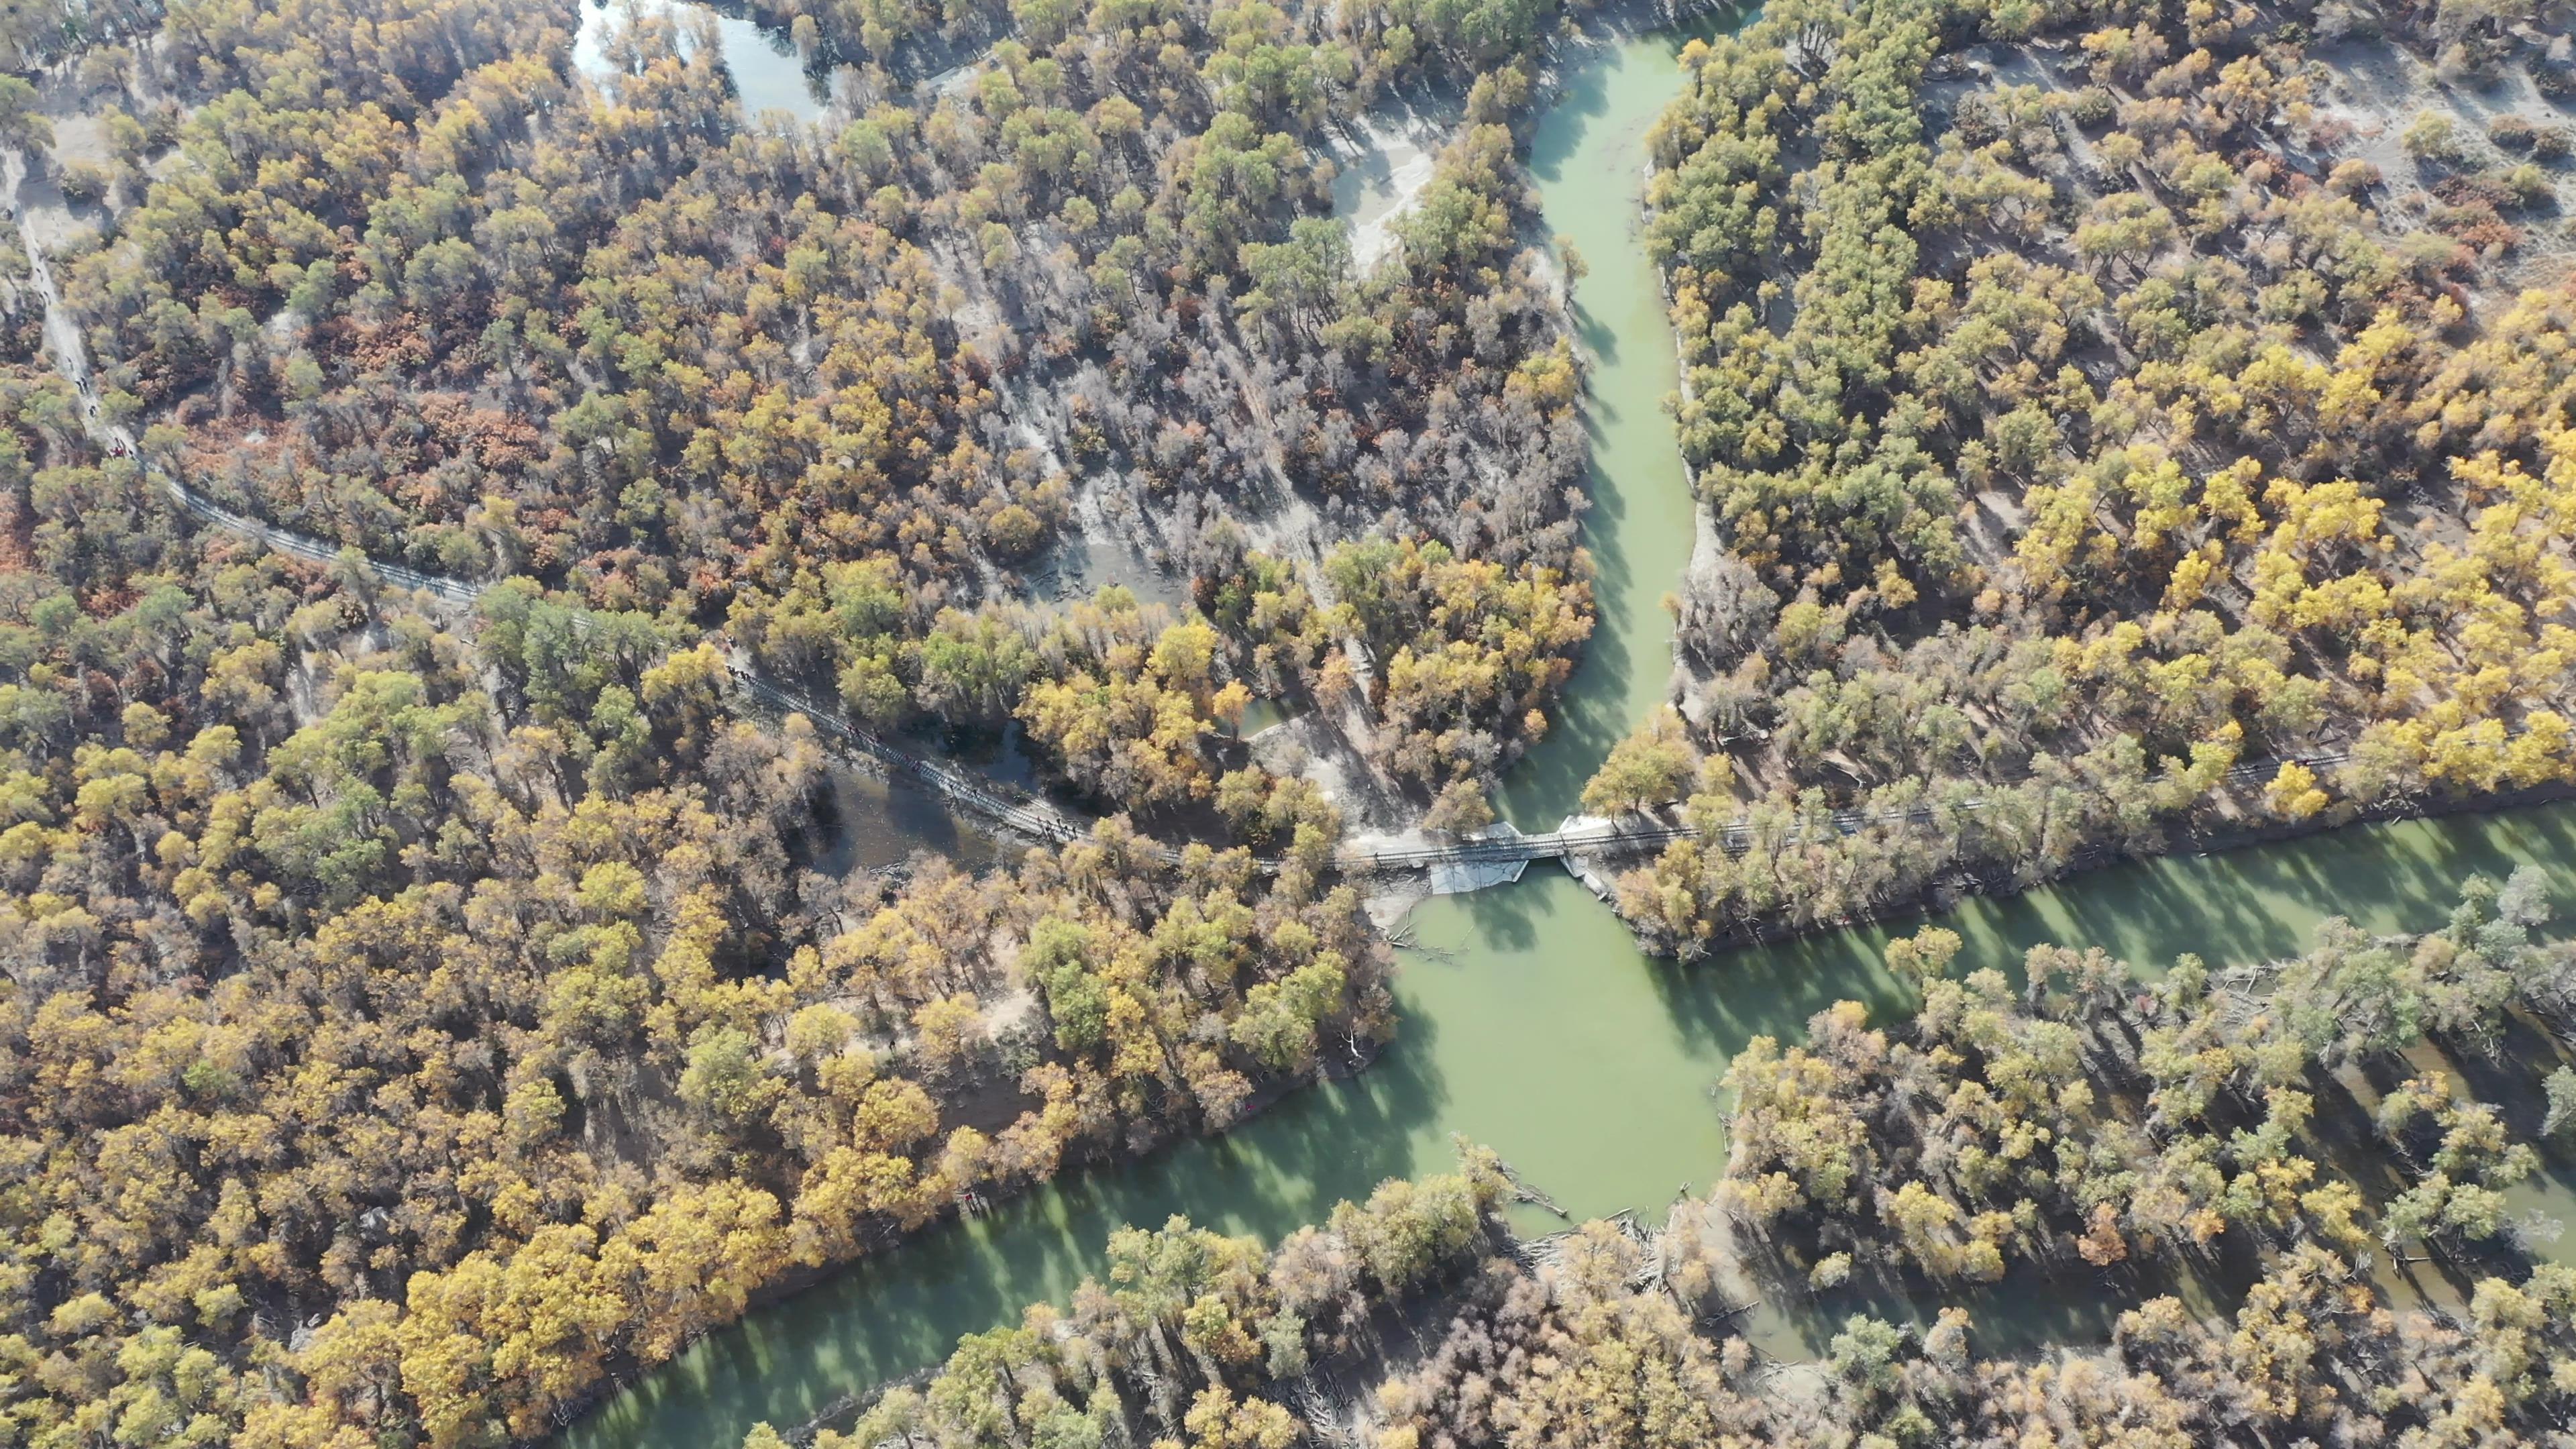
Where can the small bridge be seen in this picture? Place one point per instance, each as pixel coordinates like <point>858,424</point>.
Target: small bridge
<point>1506,846</point>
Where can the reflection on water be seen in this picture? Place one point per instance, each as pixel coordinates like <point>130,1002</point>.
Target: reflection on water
<point>1260,715</point>
<point>768,73</point>
<point>873,823</point>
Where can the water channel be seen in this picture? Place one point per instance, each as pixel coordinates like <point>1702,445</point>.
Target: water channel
<point>1589,159</point>
<point>1530,1020</point>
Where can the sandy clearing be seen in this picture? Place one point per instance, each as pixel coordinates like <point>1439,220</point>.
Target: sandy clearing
<point>1381,175</point>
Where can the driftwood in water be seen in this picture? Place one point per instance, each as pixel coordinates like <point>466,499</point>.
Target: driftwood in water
<point>1523,1192</point>
<point>1720,1317</point>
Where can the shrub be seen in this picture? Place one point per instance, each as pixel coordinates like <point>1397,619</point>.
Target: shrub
<point>2513,133</point>
<point>2092,108</point>
<point>2353,175</point>
<point>2433,136</point>
<point>2529,184</point>
<point>84,183</point>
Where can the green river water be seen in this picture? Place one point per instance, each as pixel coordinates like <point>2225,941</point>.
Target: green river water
<point>1530,1020</point>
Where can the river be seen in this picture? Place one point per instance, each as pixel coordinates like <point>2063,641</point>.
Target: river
<point>1532,1023</point>
<point>1530,1020</point>
<point>1589,159</point>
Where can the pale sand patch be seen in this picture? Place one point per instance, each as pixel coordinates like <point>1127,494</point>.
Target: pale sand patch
<point>1379,180</point>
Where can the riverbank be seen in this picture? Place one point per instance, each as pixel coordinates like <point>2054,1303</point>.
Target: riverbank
<point>1589,159</point>
<point>1530,1023</point>
<point>784,1293</point>
<point>2250,828</point>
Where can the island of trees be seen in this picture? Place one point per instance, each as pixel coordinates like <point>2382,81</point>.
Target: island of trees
<point>405,1057</point>
<point>2088,400</point>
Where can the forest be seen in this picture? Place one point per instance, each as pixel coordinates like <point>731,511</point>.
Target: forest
<point>2086,1128</point>
<point>407,1028</point>
<point>2116,423</point>
<point>416,1018</point>
<point>840,393</point>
